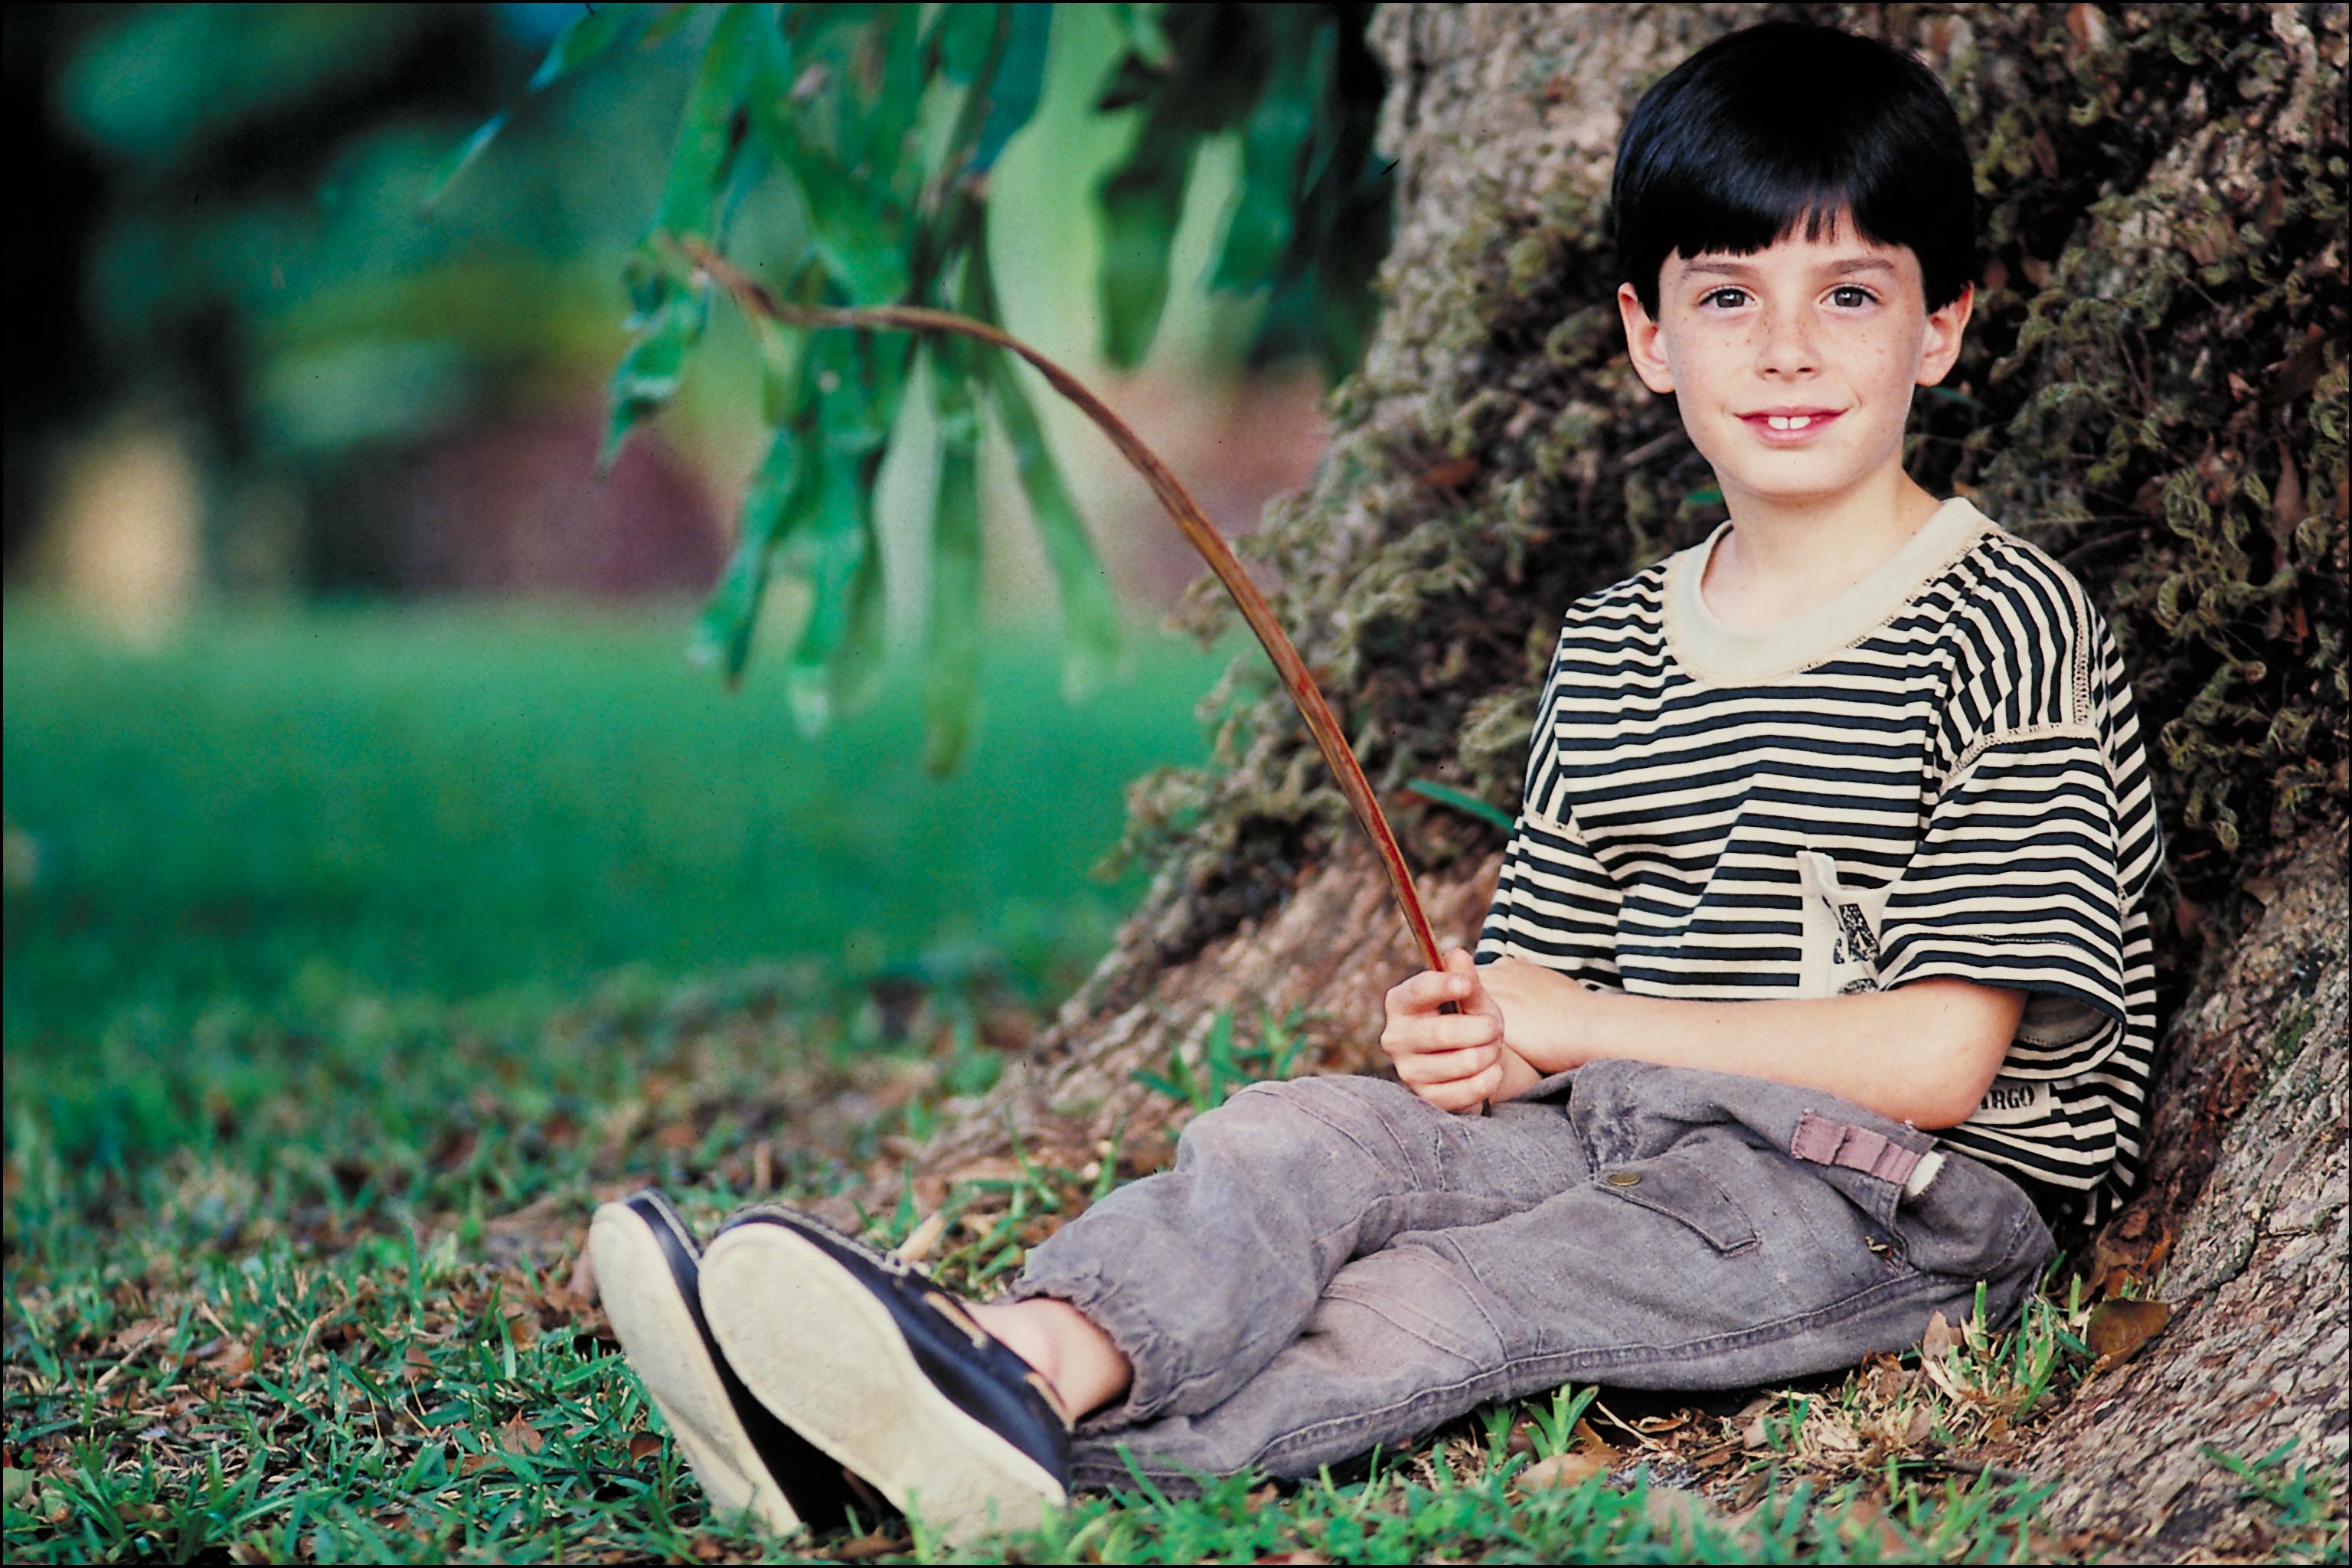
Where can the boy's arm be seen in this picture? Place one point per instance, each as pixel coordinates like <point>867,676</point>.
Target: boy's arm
<point>1923,1053</point>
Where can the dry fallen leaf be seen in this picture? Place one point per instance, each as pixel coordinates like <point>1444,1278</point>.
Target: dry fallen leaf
<point>1941,1338</point>
<point>522,1324</point>
<point>1669,1508</point>
<point>644,1445</point>
<point>1561,1471</point>
<point>520,1437</point>
<point>1592,1442</point>
<point>2119,1328</point>
<point>131,1336</point>
<point>582,1283</point>
<point>234,1359</point>
<point>1865,1520</point>
<point>923,1238</point>
<point>1824,1433</point>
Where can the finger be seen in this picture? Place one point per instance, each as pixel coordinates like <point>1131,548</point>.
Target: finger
<point>1425,992</point>
<point>1470,977</point>
<point>1463,1094</point>
<point>1447,1066</point>
<point>1461,1030</point>
<point>1425,1035</point>
<point>1422,1032</point>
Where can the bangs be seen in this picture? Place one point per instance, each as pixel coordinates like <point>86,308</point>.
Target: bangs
<point>1784,130</point>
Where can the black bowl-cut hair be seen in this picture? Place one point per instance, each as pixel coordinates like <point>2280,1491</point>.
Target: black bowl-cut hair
<point>1782,127</point>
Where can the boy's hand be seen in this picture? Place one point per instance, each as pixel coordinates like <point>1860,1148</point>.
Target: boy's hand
<point>1456,1061</point>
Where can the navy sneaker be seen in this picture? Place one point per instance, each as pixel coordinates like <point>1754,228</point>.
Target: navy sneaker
<point>888,1373</point>
<point>649,1275</point>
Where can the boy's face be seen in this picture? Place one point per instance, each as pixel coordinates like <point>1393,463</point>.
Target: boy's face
<point>1793,366</point>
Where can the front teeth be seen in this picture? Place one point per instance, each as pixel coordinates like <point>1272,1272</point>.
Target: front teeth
<point>1787,421</point>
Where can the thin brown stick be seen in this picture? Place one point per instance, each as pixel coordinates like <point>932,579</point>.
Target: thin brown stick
<point>1180,506</point>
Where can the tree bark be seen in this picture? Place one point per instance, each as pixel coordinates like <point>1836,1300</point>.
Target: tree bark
<point>2244,1218</point>
<point>1503,121</point>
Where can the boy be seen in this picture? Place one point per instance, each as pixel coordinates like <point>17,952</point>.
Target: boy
<point>1837,827</point>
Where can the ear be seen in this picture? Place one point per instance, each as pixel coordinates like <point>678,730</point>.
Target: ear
<point>1939,345</point>
<point>1642,342</point>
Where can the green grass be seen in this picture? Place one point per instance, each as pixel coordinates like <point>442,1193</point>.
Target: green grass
<point>337,941</point>
<point>289,814</point>
<point>366,952</point>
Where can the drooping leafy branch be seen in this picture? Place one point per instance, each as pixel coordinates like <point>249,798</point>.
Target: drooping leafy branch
<point>952,335</point>
<point>882,122</point>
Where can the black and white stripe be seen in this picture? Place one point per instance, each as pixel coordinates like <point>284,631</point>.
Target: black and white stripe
<point>1958,736</point>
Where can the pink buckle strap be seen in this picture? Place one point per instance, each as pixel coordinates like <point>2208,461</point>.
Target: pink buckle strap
<point>1842,1144</point>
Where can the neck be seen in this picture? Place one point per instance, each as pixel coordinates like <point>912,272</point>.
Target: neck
<point>1787,555</point>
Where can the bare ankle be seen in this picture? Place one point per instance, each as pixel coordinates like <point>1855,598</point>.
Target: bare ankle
<point>1024,1332</point>
<point>1065,1347</point>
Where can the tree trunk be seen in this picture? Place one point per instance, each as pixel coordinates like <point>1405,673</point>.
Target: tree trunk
<point>1494,459</point>
<point>2245,1213</point>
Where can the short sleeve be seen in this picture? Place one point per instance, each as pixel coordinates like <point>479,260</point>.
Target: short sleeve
<point>2039,834</point>
<point>2017,882</point>
<point>1555,904</point>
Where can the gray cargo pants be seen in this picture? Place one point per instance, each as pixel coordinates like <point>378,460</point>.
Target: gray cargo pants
<point>1334,1263</point>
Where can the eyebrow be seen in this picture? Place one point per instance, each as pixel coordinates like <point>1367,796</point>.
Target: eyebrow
<point>1742,269</point>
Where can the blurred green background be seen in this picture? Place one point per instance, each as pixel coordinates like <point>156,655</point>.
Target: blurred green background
<point>331,671</point>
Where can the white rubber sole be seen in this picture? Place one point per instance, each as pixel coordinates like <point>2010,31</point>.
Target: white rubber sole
<point>827,1357</point>
<point>666,1350</point>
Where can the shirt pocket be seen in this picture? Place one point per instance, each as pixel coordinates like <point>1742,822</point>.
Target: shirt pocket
<point>1840,929</point>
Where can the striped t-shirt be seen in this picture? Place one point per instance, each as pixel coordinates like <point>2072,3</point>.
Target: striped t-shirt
<point>1937,774</point>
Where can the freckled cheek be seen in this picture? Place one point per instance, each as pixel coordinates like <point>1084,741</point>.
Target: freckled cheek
<point>1717,365</point>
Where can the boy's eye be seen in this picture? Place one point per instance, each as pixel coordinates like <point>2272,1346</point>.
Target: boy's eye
<point>1850,296</point>
<point>1724,298</point>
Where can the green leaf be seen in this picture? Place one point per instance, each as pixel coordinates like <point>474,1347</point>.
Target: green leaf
<point>1019,81</point>
<point>1461,801</point>
<point>856,226</point>
<point>1140,24</point>
<point>1090,610</point>
<point>584,40</point>
<point>458,161</point>
<point>838,540</point>
<point>1090,620</point>
<point>857,392</point>
<point>650,374</point>
<point>951,629</point>
<point>963,36</point>
<point>780,385</point>
<point>771,503</point>
<point>1214,72</point>
<point>875,80</point>
<point>1142,202</point>
<point>590,35</point>
<point>706,131</point>
<point>1273,145</point>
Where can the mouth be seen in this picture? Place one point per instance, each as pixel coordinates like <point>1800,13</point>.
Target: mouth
<point>1790,426</point>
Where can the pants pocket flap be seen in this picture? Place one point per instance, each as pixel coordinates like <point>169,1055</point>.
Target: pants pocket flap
<point>1675,1186</point>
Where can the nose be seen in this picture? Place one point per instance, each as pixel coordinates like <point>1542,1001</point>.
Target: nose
<point>1788,346</point>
